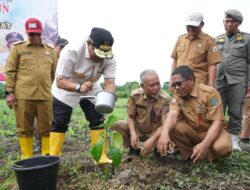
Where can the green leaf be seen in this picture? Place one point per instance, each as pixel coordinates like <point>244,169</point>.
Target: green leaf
<point>96,151</point>
<point>112,119</point>
<point>116,139</point>
<point>116,156</point>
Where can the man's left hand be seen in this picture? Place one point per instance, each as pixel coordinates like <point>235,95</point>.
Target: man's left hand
<point>147,146</point>
<point>199,152</point>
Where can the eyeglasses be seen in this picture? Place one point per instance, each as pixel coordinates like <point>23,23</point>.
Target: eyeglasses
<point>177,83</point>
<point>32,34</point>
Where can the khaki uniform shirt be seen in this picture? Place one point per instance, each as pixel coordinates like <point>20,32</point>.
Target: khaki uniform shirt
<point>29,71</point>
<point>235,52</point>
<point>75,64</point>
<point>149,114</point>
<point>198,54</point>
<point>201,108</point>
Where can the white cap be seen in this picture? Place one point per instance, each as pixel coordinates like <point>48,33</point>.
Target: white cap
<point>194,18</point>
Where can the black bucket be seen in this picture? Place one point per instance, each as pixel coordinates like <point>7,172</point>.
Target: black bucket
<point>37,173</point>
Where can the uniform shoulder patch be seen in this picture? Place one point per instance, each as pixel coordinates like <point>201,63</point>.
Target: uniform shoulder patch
<point>19,42</point>
<point>213,101</point>
<point>205,87</point>
<point>181,35</point>
<point>49,45</point>
<point>137,91</point>
<point>245,33</point>
<point>164,95</point>
<point>209,37</point>
<point>221,40</point>
<point>220,36</point>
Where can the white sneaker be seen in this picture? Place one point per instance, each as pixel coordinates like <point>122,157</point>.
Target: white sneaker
<point>235,142</point>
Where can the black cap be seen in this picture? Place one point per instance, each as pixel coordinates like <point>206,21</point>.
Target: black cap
<point>102,41</point>
<point>61,42</point>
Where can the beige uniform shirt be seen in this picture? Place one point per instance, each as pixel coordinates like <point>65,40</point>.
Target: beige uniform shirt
<point>74,63</point>
<point>198,54</point>
<point>29,71</point>
<point>201,108</point>
<point>149,113</point>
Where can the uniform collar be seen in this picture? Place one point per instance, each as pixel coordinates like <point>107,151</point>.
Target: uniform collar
<point>236,32</point>
<point>151,99</point>
<point>195,90</point>
<point>86,51</point>
<point>27,43</point>
<point>200,35</point>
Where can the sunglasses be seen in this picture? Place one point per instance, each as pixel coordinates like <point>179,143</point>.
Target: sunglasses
<point>32,34</point>
<point>177,83</point>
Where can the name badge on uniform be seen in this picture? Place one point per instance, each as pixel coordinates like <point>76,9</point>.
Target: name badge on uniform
<point>47,53</point>
<point>27,52</point>
<point>201,109</point>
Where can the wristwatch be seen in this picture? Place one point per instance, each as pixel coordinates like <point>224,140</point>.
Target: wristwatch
<point>78,88</point>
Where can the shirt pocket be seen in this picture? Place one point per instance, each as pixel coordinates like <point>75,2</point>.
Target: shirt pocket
<point>198,54</point>
<point>180,50</point>
<point>26,62</point>
<point>49,59</point>
<point>141,112</point>
<point>239,50</point>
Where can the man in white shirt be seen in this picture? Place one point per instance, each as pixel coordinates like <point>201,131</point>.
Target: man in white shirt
<point>77,74</point>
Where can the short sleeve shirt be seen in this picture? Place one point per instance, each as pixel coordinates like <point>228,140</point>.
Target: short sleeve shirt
<point>29,71</point>
<point>201,108</point>
<point>76,65</point>
<point>149,114</point>
<point>198,54</point>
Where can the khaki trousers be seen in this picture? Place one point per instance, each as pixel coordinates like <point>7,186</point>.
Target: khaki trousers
<point>245,131</point>
<point>122,127</point>
<point>27,110</point>
<point>186,137</point>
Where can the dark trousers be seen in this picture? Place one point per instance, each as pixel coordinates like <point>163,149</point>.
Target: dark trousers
<point>62,114</point>
<point>232,96</point>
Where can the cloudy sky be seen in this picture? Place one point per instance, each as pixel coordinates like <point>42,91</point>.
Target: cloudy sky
<point>145,31</point>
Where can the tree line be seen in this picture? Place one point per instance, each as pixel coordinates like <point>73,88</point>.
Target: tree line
<point>122,91</point>
<point>125,90</point>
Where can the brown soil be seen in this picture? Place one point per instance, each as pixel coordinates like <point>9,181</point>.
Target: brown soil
<point>78,171</point>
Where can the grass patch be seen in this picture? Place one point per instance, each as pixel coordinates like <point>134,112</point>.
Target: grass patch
<point>77,170</point>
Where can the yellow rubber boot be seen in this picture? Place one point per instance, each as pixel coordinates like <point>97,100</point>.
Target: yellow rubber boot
<point>45,145</point>
<point>56,142</point>
<point>94,136</point>
<point>26,145</point>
